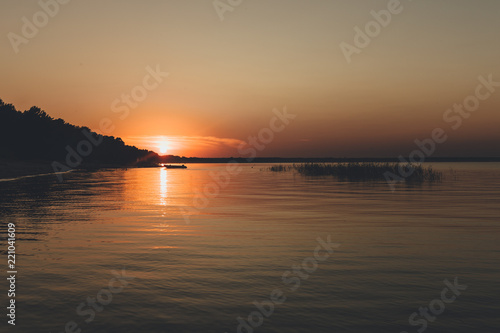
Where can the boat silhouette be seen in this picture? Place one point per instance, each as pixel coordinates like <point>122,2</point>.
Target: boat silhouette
<point>172,166</point>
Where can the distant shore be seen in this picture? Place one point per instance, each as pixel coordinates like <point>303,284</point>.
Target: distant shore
<point>177,159</point>
<point>10,169</point>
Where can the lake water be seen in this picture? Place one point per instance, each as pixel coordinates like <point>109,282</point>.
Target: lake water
<point>196,262</point>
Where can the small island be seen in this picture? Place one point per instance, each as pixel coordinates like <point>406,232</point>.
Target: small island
<point>363,171</point>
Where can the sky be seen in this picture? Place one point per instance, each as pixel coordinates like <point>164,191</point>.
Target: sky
<point>207,78</point>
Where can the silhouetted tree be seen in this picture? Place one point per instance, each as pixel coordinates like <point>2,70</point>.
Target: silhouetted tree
<point>33,134</point>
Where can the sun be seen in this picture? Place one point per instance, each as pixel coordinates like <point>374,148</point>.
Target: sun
<point>163,147</point>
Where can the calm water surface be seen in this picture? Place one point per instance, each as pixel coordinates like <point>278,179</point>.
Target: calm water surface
<point>199,264</point>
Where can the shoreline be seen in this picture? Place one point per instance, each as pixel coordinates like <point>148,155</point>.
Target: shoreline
<point>14,169</point>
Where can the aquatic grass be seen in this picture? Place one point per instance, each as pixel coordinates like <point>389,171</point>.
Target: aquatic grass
<point>281,168</point>
<point>362,171</point>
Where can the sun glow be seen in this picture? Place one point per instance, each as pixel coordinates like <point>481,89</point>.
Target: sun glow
<point>199,146</point>
<point>163,147</point>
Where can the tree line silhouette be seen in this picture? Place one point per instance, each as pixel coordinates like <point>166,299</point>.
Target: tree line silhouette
<point>34,135</point>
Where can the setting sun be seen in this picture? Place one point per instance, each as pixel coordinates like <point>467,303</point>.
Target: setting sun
<point>163,147</point>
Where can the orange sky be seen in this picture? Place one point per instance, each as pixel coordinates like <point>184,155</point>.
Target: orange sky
<point>226,77</point>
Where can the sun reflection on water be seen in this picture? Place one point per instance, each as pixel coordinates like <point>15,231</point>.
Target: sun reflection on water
<point>163,187</point>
